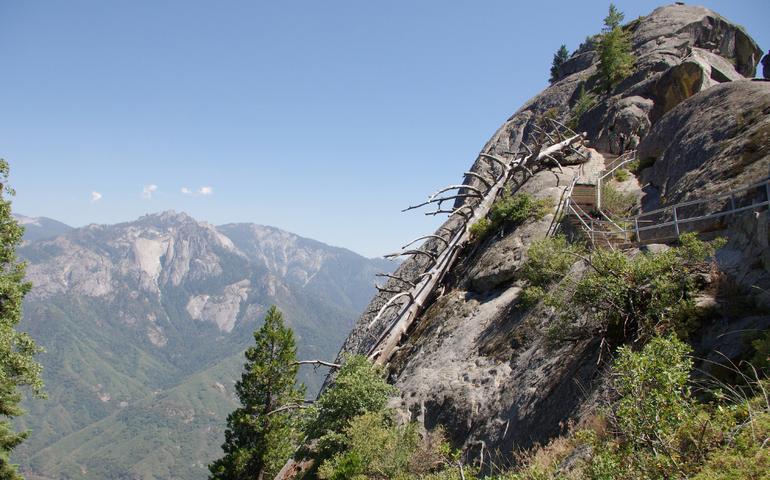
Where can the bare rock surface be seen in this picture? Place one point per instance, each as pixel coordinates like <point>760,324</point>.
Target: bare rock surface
<point>485,367</point>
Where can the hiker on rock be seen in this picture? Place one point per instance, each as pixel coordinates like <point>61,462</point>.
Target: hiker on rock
<point>766,66</point>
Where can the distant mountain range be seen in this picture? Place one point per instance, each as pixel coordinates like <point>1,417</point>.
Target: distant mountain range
<point>40,228</point>
<point>144,324</point>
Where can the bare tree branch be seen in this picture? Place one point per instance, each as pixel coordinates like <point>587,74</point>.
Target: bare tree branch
<point>478,191</point>
<point>441,200</point>
<point>487,183</point>
<point>389,304</point>
<point>317,363</point>
<point>424,237</point>
<point>411,252</point>
<point>395,277</point>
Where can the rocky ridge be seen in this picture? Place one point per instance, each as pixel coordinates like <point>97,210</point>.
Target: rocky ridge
<point>477,362</point>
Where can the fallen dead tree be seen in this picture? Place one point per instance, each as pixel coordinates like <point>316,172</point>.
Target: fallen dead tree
<point>405,306</point>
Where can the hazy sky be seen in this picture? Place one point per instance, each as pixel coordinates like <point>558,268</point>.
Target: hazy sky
<point>323,118</point>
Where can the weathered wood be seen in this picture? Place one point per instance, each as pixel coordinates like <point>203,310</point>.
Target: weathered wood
<point>487,183</point>
<point>425,237</point>
<point>317,363</point>
<point>478,191</point>
<point>428,281</point>
<point>440,200</point>
<point>381,352</point>
<point>416,251</point>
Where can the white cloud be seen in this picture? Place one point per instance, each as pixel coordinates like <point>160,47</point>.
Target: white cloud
<point>95,197</point>
<point>148,190</point>
<point>201,192</point>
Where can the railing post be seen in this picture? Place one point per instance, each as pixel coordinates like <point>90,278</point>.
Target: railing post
<point>676,223</point>
<point>636,227</point>
<point>599,194</point>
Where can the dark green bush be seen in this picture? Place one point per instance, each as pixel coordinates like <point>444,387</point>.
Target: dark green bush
<point>548,260</point>
<point>508,211</point>
<point>621,175</point>
<point>585,102</point>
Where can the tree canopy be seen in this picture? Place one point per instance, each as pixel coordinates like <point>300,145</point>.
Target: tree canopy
<point>263,432</point>
<point>18,366</point>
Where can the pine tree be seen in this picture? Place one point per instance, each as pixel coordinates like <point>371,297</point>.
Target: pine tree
<point>616,61</point>
<point>561,56</point>
<point>260,436</point>
<point>17,349</point>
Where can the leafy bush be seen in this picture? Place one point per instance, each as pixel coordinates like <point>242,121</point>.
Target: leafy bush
<point>481,229</point>
<point>621,175</point>
<point>375,447</point>
<point>510,210</point>
<point>531,295</point>
<point>358,388</point>
<point>644,295</point>
<point>656,429</point>
<point>616,203</point>
<point>549,259</point>
<point>639,296</point>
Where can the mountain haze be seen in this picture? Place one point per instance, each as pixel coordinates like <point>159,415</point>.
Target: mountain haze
<point>144,324</point>
<point>40,228</point>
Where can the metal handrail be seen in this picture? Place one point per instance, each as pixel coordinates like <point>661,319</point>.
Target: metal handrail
<point>678,221</point>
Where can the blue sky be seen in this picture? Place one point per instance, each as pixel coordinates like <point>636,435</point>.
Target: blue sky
<point>321,118</point>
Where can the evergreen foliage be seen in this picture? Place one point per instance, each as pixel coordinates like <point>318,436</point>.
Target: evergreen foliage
<point>508,211</point>
<point>358,388</point>
<point>585,102</point>
<point>17,349</point>
<point>656,429</point>
<point>616,61</point>
<point>561,56</point>
<point>615,203</point>
<point>644,295</point>
<point>260,437</point>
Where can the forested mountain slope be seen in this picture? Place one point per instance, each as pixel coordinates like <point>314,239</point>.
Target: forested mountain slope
<point>144,324</point>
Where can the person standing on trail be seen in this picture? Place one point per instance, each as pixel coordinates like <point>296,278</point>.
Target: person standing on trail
<point>766,66</point>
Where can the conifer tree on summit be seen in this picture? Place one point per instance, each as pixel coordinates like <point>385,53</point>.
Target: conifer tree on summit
<point>561,56</point>
<point>263,432</point>
<point>616,60</point>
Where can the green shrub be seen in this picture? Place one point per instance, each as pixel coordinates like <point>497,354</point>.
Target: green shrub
<point>508,211</point>
<point>643,295</point>
<point>374,448</point>
<point>515,209</point>
<point>531,295</point>
<point>480,229</point>
<point>616,203</point>
<point>548,260</point>
<point>621,175</point>
<point>585,102</point>
<point>358,388</point>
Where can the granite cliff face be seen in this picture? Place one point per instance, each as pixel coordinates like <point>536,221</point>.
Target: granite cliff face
<point>479,363</point>
<point>144,324</point>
